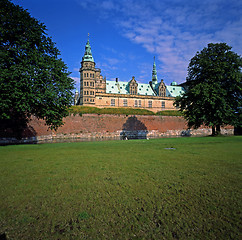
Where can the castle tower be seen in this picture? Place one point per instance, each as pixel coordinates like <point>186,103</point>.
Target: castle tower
<point>87,77</point>
<point>91,80</point>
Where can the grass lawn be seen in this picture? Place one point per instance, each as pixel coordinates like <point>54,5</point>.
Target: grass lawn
<point>127,111</point>
<point>177,188</point>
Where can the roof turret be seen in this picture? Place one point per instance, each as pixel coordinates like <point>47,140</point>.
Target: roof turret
<point>154,73</point>
<point>174,83</point>
<point>88,53</point>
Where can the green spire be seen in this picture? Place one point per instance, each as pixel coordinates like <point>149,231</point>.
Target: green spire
<point>88,53</point>
<point>154,72</point>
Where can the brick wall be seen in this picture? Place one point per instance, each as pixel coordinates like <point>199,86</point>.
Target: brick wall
<point>94,126</point>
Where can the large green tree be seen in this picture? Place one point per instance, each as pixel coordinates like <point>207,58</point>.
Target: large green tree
<point>33,79</point>
<point>213,88</point>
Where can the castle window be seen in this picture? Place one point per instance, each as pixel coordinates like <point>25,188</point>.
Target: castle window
<point>163,104</point>
<point>125,103</point>
<point>150,104</point>
<point>100,81</point>
<point>85,74</point>
<point>112,102</point>
<point>85,93</point>
<point>139,103</point>
<point>135,103</point>
<point>85,83</point>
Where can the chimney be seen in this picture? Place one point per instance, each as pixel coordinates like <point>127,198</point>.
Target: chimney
<point>116,79</point>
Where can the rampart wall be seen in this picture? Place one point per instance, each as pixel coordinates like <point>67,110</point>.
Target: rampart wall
<point>107,126</point>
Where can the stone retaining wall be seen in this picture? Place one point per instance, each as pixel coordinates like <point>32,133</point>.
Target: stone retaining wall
<point>102,127</point>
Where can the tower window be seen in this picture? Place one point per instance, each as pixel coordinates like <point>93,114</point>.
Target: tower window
<point>163,104</point>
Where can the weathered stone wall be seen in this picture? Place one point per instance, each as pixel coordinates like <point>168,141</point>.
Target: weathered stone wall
<point>97,127</point>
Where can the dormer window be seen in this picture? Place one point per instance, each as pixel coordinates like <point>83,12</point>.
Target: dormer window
<point>133,85</point>
<point>162,89</point>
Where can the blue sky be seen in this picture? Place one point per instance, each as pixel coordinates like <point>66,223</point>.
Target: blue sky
<point>125,35</point>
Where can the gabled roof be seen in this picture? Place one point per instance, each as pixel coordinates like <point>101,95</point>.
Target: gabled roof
<point>123,88</point>
<point>117,87</point>
<point>174,91</point>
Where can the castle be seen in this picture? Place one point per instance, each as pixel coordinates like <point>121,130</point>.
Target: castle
<point>96,91</point>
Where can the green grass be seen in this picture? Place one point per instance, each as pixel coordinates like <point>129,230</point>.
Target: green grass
<point>133,189</point>
<point>169,113</point>
<point>127,111</point>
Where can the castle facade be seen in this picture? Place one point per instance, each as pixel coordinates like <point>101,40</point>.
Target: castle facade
<point>96,91</point>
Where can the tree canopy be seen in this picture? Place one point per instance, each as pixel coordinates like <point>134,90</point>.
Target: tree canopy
<point>213,88</point>
<point>33,79</point>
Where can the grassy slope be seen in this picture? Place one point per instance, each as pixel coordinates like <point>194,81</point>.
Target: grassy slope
<point>122,189</point>
<point>126,111</point>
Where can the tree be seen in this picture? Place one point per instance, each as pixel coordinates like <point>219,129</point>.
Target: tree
<point>33,79</point>
<point>213,88</point>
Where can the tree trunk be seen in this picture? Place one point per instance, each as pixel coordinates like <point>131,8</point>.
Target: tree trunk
<point>218,130</point>
<point>213,130</point>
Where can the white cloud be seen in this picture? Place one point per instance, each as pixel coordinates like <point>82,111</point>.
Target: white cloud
<point>175,30</point>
